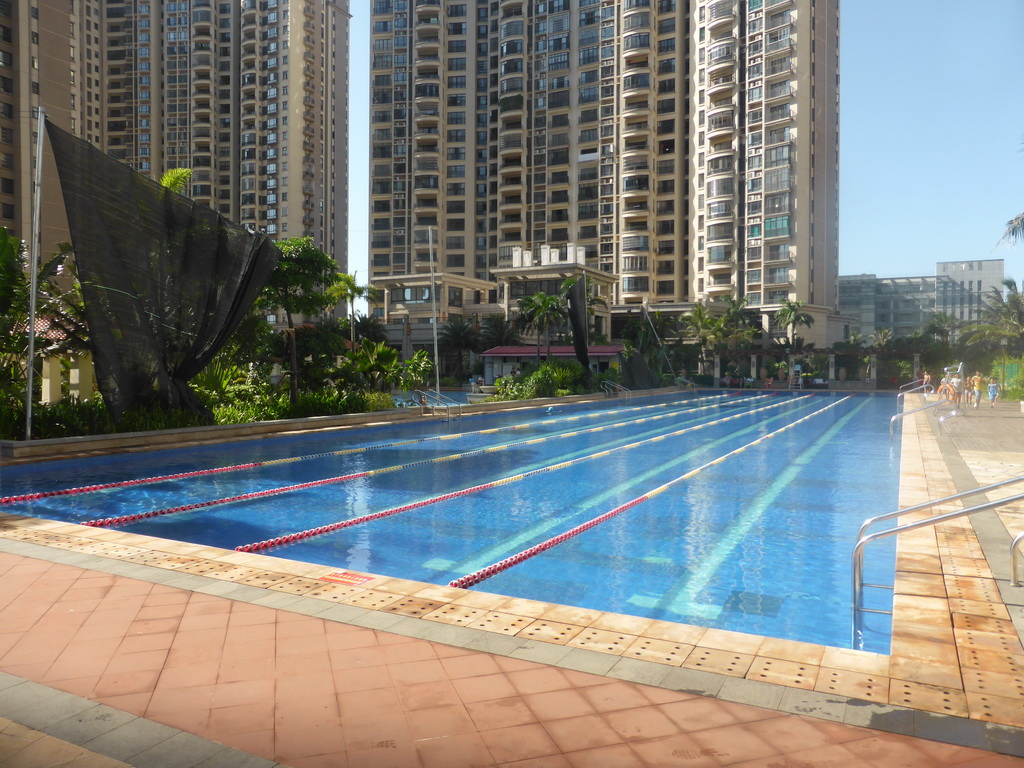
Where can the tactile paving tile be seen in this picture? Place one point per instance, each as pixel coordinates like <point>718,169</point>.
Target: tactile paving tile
<point>994,661</point>
<point>989,640</point>
<point>965,566</point>
<point>461,615</point>
<point>296,585</point>
<point>661,651</point>
<point>550,631</point>
<point>994,683</point>
<point>602,640</point>
<point>856,685</point>
<point>995,709</point>
<point>149,557</point>
<point>199,567</point>
<point>723,662</point>
<point>983,589</point>
<point>371,599</point>
<point>412,606</point>
<point>235,573</point>
<point>333,592</point>
<point>978,608</point>
<point>930,698</point>
<point>984,624</point>
<point>503,623</point>
<point>264,579</point>
<point>791,674</point>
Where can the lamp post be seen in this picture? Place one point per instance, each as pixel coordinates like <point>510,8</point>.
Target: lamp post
<point>1003,343</point>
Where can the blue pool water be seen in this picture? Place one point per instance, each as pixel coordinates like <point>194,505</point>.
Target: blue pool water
<point>745,505</point>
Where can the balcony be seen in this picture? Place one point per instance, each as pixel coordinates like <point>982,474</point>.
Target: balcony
<point>721,85</point>
<point>510,146</point>
<point>721,124</point>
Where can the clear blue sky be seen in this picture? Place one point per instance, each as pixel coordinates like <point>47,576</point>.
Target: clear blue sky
<point>931,134</point>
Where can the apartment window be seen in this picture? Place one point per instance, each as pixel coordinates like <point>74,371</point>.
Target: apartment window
<point>635,284</point>
<point>776,226</point>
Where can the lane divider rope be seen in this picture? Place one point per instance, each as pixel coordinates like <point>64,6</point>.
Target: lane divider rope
<point>503,565</point>
<point>36,496</point>
<point>135,517</point>
<point>291,538</point>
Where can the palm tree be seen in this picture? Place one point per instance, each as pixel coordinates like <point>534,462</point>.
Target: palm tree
<point>792,314</point>
<point>708,330</point>
<point>882,338</point>
<point>941,325</point>
<point>498,331</point>
<point>539,313</point>
<point>459,337</point>
<point>370,328</point>
<point>346,289</point>
<point>1001,317</point>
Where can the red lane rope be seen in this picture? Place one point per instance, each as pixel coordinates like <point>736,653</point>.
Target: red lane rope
<point>136,517</point>
<point>503,565</point>
<point>310,532</point>
<point>256,464</point>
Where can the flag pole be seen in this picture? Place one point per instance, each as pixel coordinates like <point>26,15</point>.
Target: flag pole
<point>34,270</point>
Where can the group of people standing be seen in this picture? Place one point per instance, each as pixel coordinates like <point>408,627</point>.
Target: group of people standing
<point>966,391</point>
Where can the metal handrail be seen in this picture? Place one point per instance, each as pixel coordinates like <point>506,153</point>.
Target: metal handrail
<point>915,383</point>
<point>431,400</point>
<point>857,600</point>
<point>1014,572</point>
<point>934,503</point>
<point>950,415</point>
<point>927,387</point>
<point>898,416</point>
<point>612,388</point>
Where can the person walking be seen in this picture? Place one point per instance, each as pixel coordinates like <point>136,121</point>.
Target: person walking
<point>977,384</point>
<point>993,391</point>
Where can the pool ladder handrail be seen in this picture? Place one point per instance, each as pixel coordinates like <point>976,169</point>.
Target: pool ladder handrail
<point>863,538</point>
<point>916,384</point>
<point>1015,580</point>
<point>928,389</point>
<point>611,388</point>
<point>898,416</point>
<point>432,400</point>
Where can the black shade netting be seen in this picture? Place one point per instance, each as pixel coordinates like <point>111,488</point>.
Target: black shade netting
<point>165,280</point>
<point>636,374</point>
<point>577,299</point>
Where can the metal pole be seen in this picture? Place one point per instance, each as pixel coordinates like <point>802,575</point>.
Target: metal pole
<point>433,310</point>
<point>34,271</point>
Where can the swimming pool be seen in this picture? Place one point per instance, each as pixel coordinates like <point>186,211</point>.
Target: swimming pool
<point>735,510</point>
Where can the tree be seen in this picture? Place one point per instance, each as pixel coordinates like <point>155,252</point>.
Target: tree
<point>304,282</point>
<point>59,306</point>
<point>707,329</point>
<point>791,315</point>
<point>882,338</point>
<point>459,337</point>
<point>346,289</point>
<point>941,325</point>
<point>540,313</point>
<point>176,180</point>
<point>370,328</point>
<point>498,331</point>
<point>1000,317</point>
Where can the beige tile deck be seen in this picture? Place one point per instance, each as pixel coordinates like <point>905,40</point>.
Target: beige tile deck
<point>954,652</point>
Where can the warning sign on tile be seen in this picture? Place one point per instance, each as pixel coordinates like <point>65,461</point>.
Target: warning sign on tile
<point>346,577</point>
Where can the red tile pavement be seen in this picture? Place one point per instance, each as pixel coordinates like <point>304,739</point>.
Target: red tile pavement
<point>311,693</point>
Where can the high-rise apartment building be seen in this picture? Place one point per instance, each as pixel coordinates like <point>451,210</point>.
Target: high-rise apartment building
<point>686,150</point>
<point>251,95</point>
